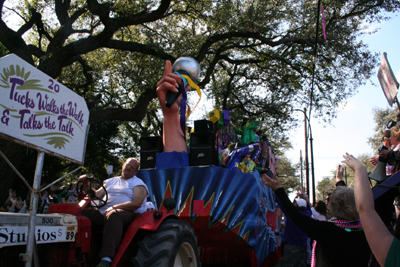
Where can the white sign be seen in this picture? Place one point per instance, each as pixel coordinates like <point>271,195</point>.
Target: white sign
<point>17,235</point>
<point>39,112</point>
<point>387,80</point>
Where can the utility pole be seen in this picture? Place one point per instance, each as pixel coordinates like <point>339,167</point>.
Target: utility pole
<point>312,165</point>
<point>301,170</point>
<point>306,152</point>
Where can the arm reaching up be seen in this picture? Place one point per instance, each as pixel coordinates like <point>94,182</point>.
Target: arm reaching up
<point>339,176</point>
<point>173,136</point>
<point>378,236</point>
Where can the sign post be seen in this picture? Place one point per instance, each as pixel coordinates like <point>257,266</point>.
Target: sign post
<point>40,113</point>
<point>388,81</point>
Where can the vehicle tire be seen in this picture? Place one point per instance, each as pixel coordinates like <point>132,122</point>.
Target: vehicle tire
<point>172,245</point>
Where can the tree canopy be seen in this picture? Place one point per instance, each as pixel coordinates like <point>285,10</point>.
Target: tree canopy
<point>288,174</point>
<point>256,56</point>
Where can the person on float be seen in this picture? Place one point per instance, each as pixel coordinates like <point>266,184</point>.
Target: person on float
<point>393,154</point>
<point>235,157</point>
<point>247,131</point>
<point>247,165</point>
<point>340,241</point>
<point>385,142</point>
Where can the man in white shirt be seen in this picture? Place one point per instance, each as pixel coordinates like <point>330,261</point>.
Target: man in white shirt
<point>127,196</point>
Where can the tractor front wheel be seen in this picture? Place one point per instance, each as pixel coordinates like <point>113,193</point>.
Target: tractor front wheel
<point>172,245</point>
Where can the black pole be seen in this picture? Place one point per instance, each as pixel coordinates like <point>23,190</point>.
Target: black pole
<point>311,99</point>
<point>306,153</point>
<point>301,171</point>
<point>312,166</point>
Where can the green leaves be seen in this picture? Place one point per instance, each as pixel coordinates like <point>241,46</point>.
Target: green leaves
<point>289,174</point>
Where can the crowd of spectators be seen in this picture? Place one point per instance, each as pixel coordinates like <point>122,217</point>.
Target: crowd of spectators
<point>16,204</point>
<point>346,229</point>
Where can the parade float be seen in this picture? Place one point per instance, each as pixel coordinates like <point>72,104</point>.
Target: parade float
<point>214,211</point>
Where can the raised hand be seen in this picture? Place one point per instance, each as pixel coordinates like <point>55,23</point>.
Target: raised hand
<point>169,82</point>
<point>173,134</point>
<point>274,184</point>
<point>339,173</point>
<point>374,160</point>
<point>352,162</point>
<point>13,200</point>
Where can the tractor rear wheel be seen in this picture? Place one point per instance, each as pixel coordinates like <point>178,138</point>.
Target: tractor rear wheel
<point>172,245</point>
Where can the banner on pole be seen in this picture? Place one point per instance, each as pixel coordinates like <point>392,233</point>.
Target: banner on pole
<point>387,80</point>
<point>39,112</point>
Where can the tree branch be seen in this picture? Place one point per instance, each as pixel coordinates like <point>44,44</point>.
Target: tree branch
<point>135,114</point>
<point>137,47</point>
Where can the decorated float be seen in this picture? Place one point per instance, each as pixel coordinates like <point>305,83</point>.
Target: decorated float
<point>220,194</point>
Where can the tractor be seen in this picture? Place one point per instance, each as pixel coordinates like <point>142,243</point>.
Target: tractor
<point>64,237</point>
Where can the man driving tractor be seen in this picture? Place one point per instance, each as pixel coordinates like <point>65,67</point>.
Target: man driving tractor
<point>127,196</point>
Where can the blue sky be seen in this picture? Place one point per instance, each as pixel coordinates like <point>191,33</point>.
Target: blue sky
<point>350,131</point>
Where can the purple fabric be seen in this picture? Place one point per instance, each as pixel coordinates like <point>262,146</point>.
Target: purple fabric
<point>226,117</point>
<point>234,158</point>
<point>293,235</point>
<point>183,106</point>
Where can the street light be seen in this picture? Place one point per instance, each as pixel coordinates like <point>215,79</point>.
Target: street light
<point>306,119</point>
<point>110,169</point>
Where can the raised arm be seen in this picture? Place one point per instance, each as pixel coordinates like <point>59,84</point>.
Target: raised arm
<point>313,228</point>
<point>173,136</point>
<point>378,236</point>
<point>339,176</point>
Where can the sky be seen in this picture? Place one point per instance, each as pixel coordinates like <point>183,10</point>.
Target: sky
<point>349,132</point>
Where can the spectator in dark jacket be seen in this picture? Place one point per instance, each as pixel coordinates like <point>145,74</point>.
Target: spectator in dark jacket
<point>339,242</point>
